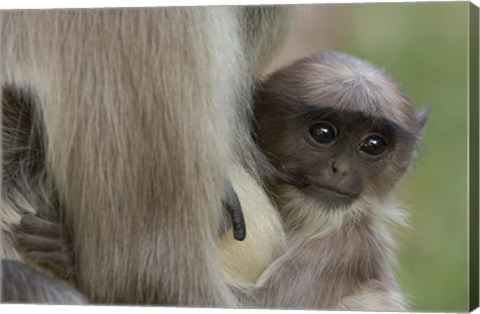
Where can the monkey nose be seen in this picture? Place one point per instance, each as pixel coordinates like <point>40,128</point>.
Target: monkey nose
<point>339,168</point>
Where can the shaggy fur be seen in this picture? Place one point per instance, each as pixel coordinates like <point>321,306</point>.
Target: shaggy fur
<point>41,288</point>
<point>139,115</point>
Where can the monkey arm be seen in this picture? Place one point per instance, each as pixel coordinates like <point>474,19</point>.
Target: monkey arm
<point>293,281</point>
<point>46,243</point>
<point>330,272</point>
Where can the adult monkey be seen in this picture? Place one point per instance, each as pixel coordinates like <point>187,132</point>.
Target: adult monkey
<point>136,111</point>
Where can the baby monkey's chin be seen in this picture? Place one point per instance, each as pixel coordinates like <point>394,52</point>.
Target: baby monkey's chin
<point>329,196</point>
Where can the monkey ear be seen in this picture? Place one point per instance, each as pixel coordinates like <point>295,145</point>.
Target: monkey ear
<point>422,116</point>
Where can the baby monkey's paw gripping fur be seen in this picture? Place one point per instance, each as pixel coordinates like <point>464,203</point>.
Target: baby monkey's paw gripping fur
<point>46,243</point>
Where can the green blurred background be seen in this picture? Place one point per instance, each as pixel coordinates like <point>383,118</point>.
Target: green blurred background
<point>424,47</point>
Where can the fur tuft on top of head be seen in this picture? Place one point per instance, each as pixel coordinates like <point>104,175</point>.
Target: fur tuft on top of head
<point>344,82</point>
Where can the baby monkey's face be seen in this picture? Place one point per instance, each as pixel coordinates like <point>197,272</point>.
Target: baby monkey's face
<point>341,152</point>
<point>331,155</point>
<point>336,134</point>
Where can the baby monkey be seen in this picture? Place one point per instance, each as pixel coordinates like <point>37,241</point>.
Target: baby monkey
<point>339,134</point>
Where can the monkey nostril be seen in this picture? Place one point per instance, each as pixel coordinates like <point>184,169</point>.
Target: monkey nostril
<point>339,168</point>
<point>333,167</point>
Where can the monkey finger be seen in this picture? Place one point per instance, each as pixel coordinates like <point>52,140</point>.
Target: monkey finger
<point>35,225</point>
<point>29,242</point>
<point>61,264</point>
<point>238,222</point>
<point>236,215</point>
<point>235,219</point>
<point>234,209</point>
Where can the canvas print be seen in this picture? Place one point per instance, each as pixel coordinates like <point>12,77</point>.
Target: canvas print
<point>315,156</point>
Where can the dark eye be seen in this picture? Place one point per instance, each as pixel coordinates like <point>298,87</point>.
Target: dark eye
<point>323,132</point>
<point>373,144</point>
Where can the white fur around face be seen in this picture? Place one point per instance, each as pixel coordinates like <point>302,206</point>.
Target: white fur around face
<point>307,218</point>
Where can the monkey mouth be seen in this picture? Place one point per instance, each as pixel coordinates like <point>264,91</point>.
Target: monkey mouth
<point>296,180</point>
<point>332,197</point>
<point>331,190</point>
<point>302,182</point>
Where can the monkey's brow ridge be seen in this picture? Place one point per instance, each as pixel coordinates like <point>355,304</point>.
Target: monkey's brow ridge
<point>312,113</point>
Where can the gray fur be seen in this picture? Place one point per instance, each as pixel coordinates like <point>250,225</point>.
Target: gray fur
<point>138,110</point>
<point>41,288</point>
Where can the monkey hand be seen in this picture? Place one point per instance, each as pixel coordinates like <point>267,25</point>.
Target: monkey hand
<point>234,215</point>
<point>47,244</point>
